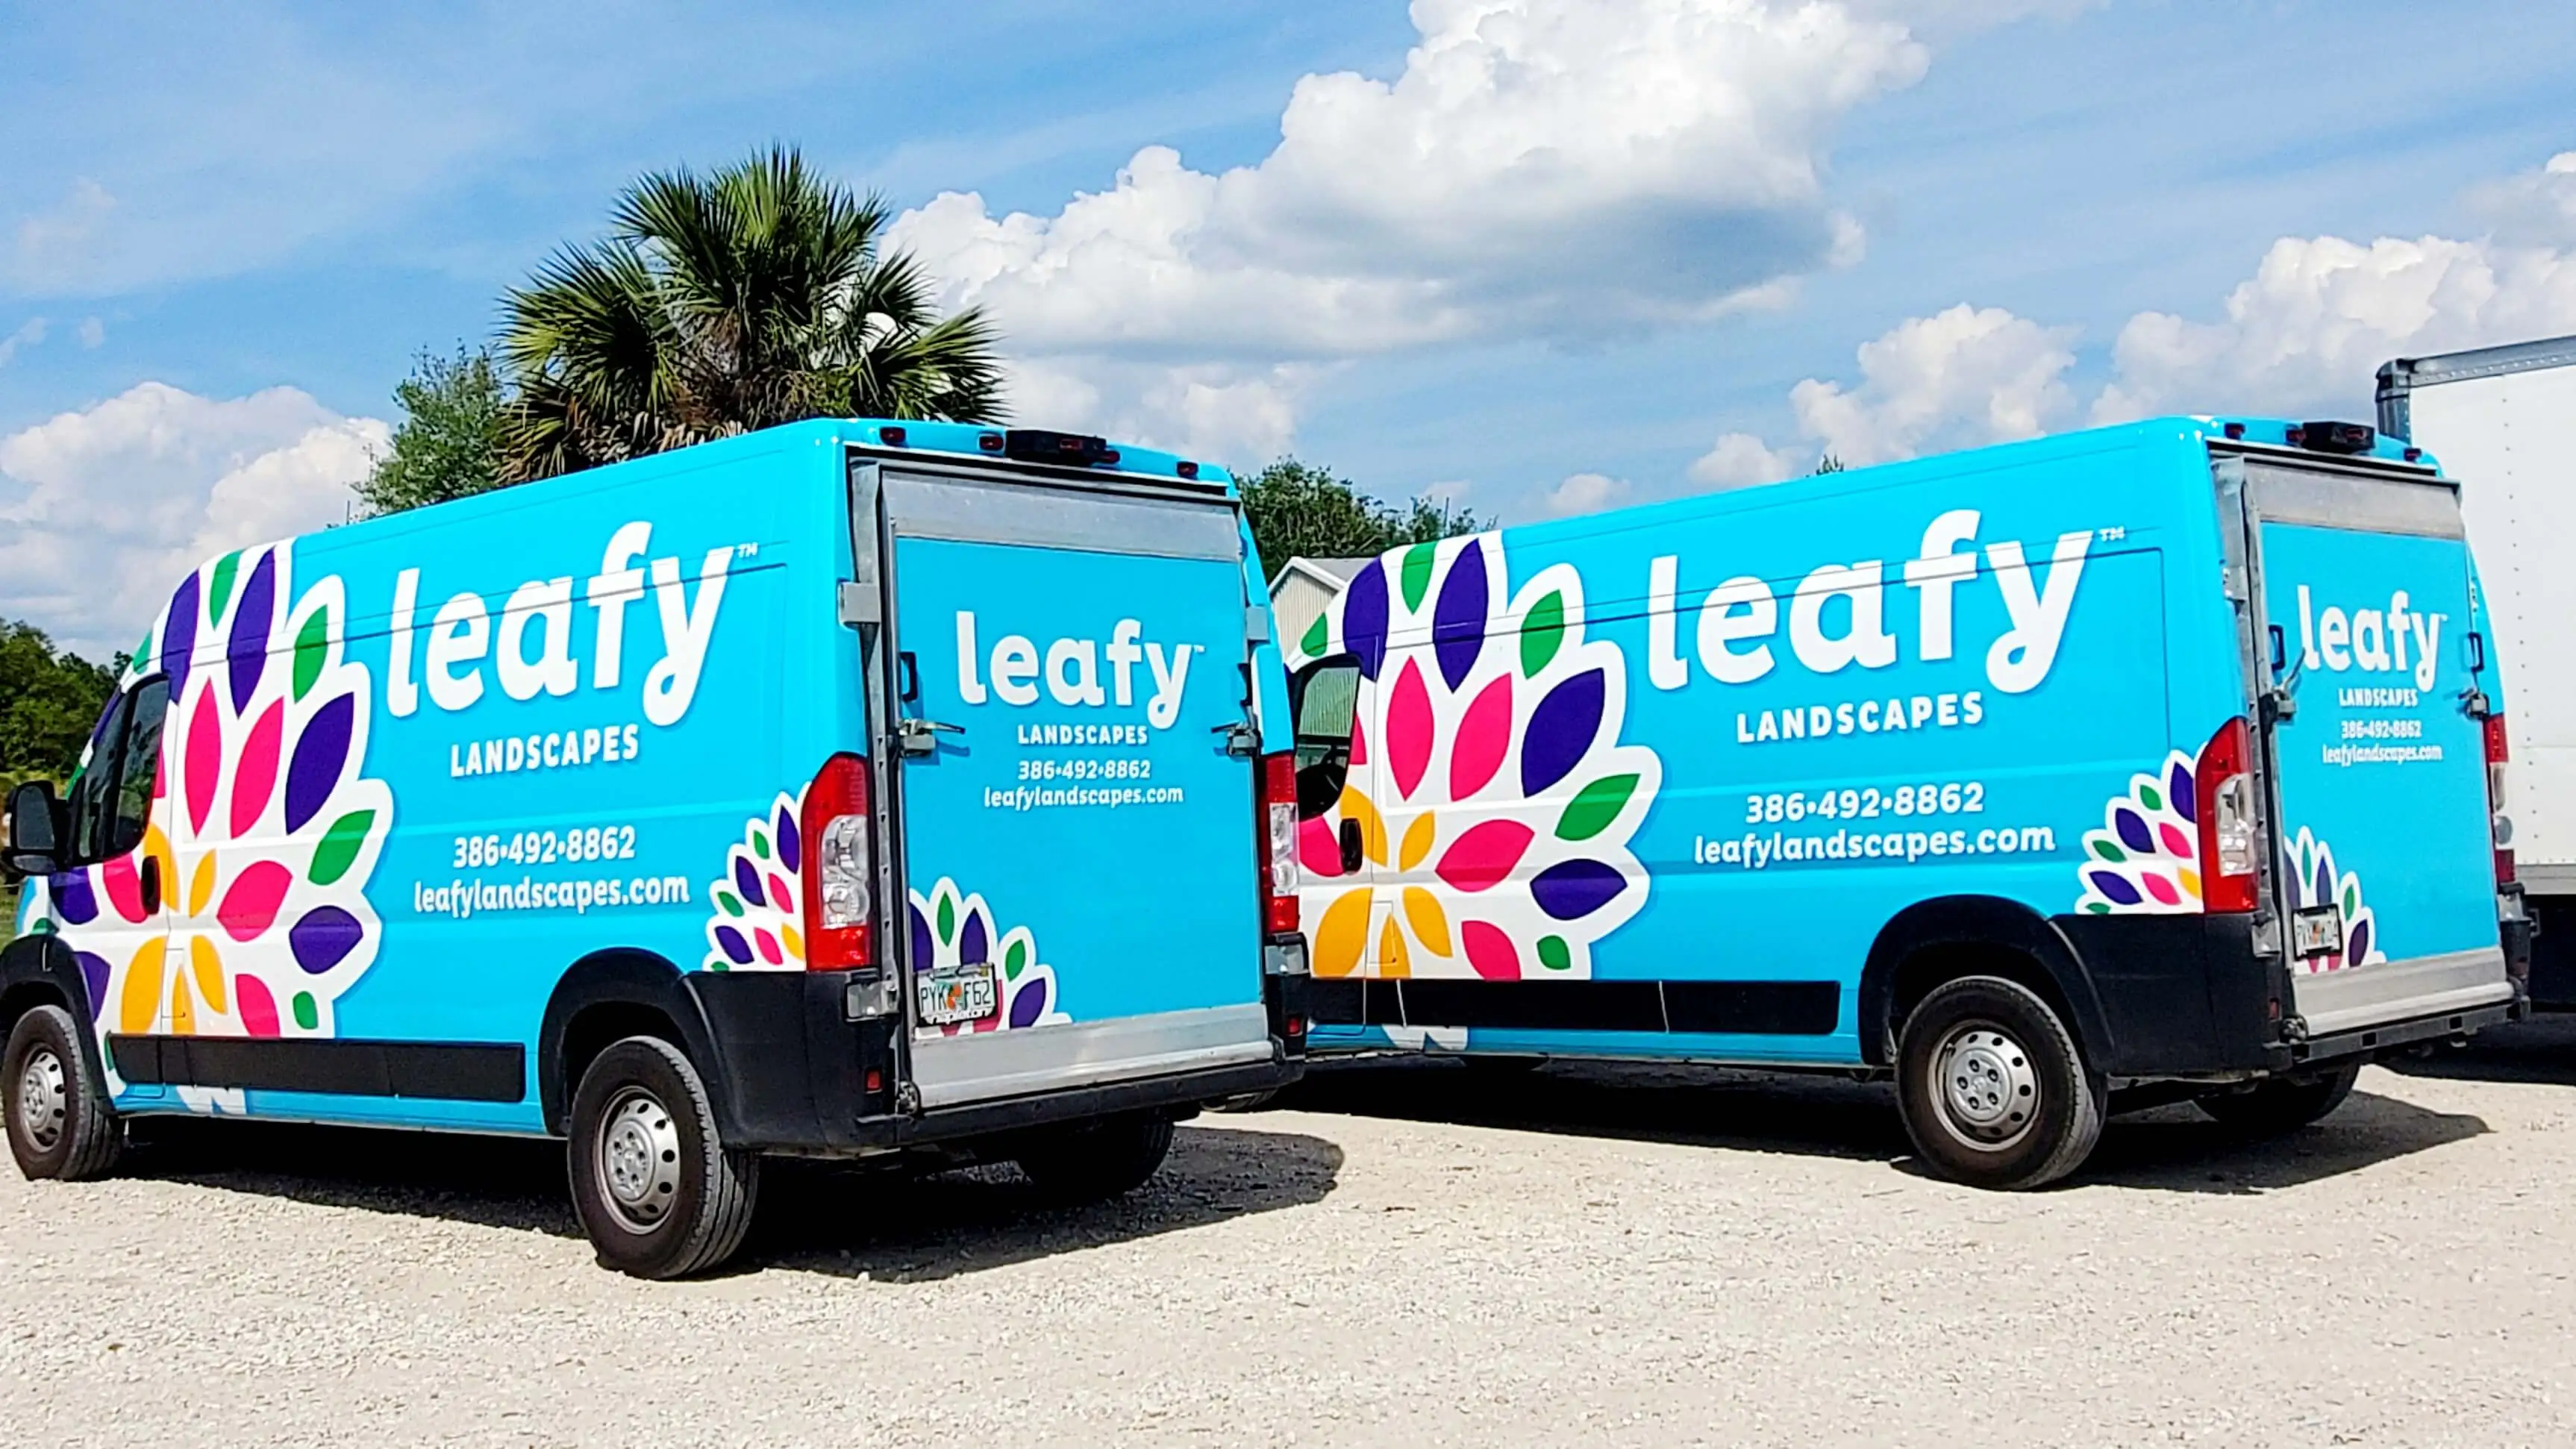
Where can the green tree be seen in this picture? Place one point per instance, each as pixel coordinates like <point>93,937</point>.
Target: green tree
<point>449,442</point>
<point>49,701</point>
<point>1298,509</point>
<point>753,295</point>
<point>1828,464</point>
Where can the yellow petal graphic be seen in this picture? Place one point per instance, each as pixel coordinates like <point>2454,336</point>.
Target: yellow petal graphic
<point>140,1000</point>
<point>1391,960</point>
<point>1417,841</point>
<point>1340,935</point>
<point>795,943</point>
<point>2190,881</point>
<point>1356,806</point>
<point>1422,912</point>
<point>201,888</point>
<point>157,846</point>
<point>208,968</point>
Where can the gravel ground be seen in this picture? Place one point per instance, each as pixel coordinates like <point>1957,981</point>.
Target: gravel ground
<point>1422,1254</point>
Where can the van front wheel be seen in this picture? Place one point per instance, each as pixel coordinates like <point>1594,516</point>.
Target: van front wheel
<point>1992,1087</point>
<point>658,1192</point>
<point>60,1124</point>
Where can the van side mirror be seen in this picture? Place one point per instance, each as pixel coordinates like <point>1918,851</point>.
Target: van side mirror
<point>35,829</point>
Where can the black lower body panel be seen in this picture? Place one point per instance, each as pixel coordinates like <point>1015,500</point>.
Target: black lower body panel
<point>334,1066</point>
<point>2179,995</point>
<point>1754,1008</point>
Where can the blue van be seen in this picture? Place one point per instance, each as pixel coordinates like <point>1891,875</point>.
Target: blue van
<point>784,794</point>
<point>2132,765</point>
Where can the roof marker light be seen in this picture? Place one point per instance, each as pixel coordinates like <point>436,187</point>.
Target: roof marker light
<point>891,437</point>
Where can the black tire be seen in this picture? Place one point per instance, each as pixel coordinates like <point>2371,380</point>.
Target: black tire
<point>657,1191</point>
<point>60,1123</point>
<point>2283,1104</point>
<point>1994,1090</point>
<point>1096,1160</point>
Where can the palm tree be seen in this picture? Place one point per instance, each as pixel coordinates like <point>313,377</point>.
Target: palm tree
<point>719,303</point>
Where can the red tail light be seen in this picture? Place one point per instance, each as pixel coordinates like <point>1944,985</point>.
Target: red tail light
<point>839,867</point>
<point>1277,845</point>
<point>2500,827</point>
<point>2223,787</point>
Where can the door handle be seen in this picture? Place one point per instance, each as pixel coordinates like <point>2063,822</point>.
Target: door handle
<point>2280,647</point>
<point>151,882</point>
<point>1350,847</point>
<point>921,736</point>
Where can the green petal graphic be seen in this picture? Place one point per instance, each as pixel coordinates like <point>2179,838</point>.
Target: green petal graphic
<point>1015,960</point>
<point>219,589</point>
<point>726,901</point>
<point>2107,850</point>
<point>2148,797</point>
<point>312,646</point>
<point>1417,572</point>
<point>1542,629</point>
<point>947,918</point>
<point>760,843</point>
<point>340,844</point>
<point>307,1015</point>
<point>1552,953</point>
<point>1317,637</point>
<point>1595,806</point>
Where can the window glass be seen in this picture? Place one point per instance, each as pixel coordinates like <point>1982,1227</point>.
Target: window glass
<point>1326,696</point>
<point>138,761</point>
<point>91,805</point>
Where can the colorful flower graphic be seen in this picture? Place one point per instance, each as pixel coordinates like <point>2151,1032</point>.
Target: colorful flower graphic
<point>265,853</point>
<point>2313,882</point>
<point>760,898</point>
<point>1499,802</point>
<point>952,929</point>
<point>2145,859</point>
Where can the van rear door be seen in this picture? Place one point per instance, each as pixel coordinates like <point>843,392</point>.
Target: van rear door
<point>2382,831</point>
<point>1076,817</point>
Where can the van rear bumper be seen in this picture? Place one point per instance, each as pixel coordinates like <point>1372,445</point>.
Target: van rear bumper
<point>2186,996</point>
<point>791,1073</point>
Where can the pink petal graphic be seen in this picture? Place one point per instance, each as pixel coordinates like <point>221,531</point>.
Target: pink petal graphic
<point>258,1008</point>
<point>2175,841</point>
<point>2159,887</point>
<point>1316,848</point>
<point>205,756</point>
<point>256,775</point>
<point>1359,744</point>
<point>252,902</point>
<point>1484,855</point>
<point>768,947</point>
<point>1490,951</point>
<point>1483,736</point>
<point>1408,729</point>
<point>124,887</point>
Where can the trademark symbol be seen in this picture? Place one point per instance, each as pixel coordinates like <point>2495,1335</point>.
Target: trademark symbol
<point>746,550</point>
<point>2113,534</point>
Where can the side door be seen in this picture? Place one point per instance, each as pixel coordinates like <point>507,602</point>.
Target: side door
<point>1341,837</point>
<point>2382,829</point>
<point>113,907</point>
<point>1077,827</point>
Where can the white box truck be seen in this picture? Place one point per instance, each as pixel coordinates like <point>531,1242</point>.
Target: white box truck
<point>2498,418</point>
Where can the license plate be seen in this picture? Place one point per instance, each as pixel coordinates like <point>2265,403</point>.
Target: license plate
<point>951,994</point>
<point>2317,931</point>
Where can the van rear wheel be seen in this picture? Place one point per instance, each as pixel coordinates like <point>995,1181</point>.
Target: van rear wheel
<point>1098,1160</point>
<point>60,1123</point>
<point>656,1189</point>
<point>2282,1104</point>
<point>1993,1088</point>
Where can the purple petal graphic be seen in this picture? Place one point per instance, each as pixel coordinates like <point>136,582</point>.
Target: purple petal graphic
<point>2324,889</point>
<point>735,947</point>
<point>1029,1004</point>
<point>323,937</point>
<point>2356,943</point>
<point>791,847</point>
<point>1364,617</point>
<point>1560,730</point>
<point>179,639</point>
<point>94,971</point>
<point>920,938</point>
<point>974,940</point>
<point>1573,889</point>
<point>747,881</point>
<point>252,617</point>
<point>1458,618</point>
<point>74,901</point>
<point>2114,887</point>
<point>320,751</point>
<point>2180,794</point>
<point>2133,830</point>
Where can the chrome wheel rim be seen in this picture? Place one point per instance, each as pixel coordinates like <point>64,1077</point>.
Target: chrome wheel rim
<point>44,1099</point>
<point>1987,1089</point>
<point>638,1160</point>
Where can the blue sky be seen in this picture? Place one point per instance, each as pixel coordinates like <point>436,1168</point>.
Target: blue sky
<point>204,205</point>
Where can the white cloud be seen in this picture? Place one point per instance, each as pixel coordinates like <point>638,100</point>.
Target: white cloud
<point>1230,413</point>
<point>1966,376</point>
<point>104,508</point>
<point>1587,493</point>
<point>29,333</point>
<point>2537,208</point>
<point>1741,460</point>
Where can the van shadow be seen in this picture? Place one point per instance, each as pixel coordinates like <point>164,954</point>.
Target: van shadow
<point>2173,1149</point>
<point>2540,1050</point>
<point>848,1221</point>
